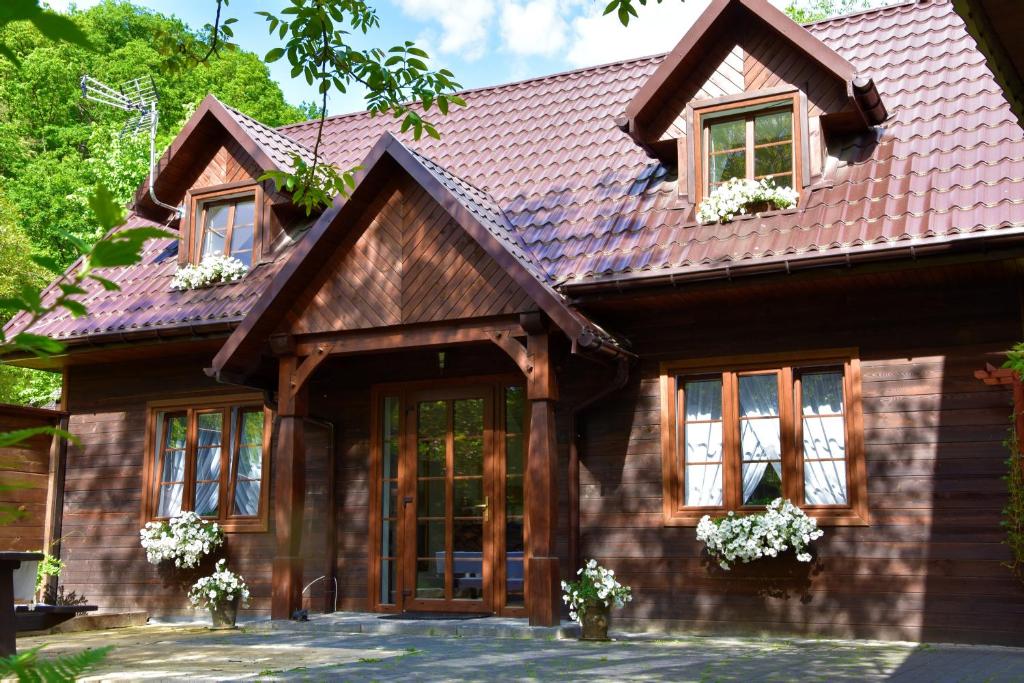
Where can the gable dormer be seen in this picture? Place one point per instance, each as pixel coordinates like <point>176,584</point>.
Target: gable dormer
<point>211,173</point>
<point>749,93</point>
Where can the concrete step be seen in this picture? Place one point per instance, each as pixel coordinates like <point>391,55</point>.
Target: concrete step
<point>358,622</point>
<point>95,621</point>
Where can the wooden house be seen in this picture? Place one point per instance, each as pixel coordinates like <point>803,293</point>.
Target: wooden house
<point>515,348</point>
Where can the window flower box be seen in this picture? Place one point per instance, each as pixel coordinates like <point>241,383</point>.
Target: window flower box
<point>739,196</point>
<point>212,270</point>
<point>745,538</point>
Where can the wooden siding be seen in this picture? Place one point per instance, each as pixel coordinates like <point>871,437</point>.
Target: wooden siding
<point>412,264</point>
<point>750,60</point>
<point>26,468</point>
<point>929,566</point>
<point>102,501</point>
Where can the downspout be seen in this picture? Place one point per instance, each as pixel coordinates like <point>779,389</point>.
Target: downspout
<point>623,363</point>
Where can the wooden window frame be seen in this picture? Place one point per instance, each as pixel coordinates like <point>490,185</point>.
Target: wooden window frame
<point>226,518</point>
<point>746,108</point>
<point>787,367</point>
<point>191,247</point>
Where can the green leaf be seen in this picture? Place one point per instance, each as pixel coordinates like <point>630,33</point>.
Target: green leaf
<point>108,212</point>
<point>48,262</point>
<point>37,344</point>
<point>108,285</point>
<point>28,667</point>
<point>124,248</point>
<point>8,439</point>
<point>274,55</point>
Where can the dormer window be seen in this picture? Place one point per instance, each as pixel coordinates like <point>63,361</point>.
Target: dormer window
<point>225,220</point>
<point>755,139</point>
<point>228,228</point>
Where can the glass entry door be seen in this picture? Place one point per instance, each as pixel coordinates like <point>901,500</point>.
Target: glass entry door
<point>448,558</point>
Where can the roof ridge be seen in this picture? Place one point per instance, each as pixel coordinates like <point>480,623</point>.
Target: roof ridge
<point>870,10</point>
<point>497,86</point>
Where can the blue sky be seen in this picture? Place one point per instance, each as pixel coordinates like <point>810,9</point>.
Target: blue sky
<point>484,42</point>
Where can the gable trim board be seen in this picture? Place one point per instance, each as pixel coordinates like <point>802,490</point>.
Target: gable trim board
<point>472,210</point>
<point>649,98</point>
<point>270,155</point>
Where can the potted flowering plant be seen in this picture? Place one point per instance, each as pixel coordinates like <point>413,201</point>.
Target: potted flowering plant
<point>221,593</point>
<point>781,527</point>
<point>184,539</point>
<point>211,270</point>
<point>742,195</point>
<point>591,597</point>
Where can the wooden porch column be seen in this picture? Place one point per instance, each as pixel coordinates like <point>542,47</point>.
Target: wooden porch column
<point>543,601</point>
<point>289,472</point>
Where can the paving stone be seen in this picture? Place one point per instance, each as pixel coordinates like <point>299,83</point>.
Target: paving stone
<point>317,651</point>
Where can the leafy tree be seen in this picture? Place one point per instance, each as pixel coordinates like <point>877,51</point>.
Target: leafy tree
<point>802,11</point>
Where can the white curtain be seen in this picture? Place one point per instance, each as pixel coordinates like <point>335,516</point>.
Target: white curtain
<point>703,443</point>
<point>760,439</point>
<point>172,468</point>
<point>824,436</point>
<point>208,462</point>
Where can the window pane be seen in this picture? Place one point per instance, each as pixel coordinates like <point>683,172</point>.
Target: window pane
<point>177,429</point>
<point>241,244</point>
<point>703,442</point>
<point>250,462</point>
<point>773,127</point>
<point>762,482</point>
<point>824,438</point>
<point>760,438</point>
<point>703,485</point>
<point>759,395</point>
<point>821,393</point>
<point>244,213</point>
<point>722,167</point>
<point>217,217</point>
<point>206,498</point>
<point>825,482</point>
<point>727,135</point>
<point>247,498</point>
<point>173,466</point>
<point>215,229</point>
<point>703,400</point>
<point>773,159</point>
<point>170,500</point>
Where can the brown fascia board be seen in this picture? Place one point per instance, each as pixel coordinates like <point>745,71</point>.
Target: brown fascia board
<point>651,95</point>
<point>210,111</point>
<point>242,349</point>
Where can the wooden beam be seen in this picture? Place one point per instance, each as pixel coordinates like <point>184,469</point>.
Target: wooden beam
<point>288,472</point>
<point>542,601</point>
<point>392,339</point>
<point>506,341</point>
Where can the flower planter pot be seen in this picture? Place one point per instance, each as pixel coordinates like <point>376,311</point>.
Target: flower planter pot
<point>224,614</point>
<point>758,207</point>
<point>595,622</point>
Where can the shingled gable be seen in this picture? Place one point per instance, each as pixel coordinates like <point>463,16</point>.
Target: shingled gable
<point>720,17</point>
<point>208,126</point>
<point>472,209</point>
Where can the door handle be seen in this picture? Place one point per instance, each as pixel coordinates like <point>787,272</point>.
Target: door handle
<point>485,505</point>
<point>406,500</point>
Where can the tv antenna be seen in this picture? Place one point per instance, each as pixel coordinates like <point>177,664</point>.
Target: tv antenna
<point>138,97</point>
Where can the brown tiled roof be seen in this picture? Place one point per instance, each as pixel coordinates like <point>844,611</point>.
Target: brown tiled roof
<point>589,205</point>
<point>279,147</point>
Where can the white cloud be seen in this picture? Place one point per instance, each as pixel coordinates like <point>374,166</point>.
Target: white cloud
<point>597,39</point>
<point>463,24</point>
<point>535,27</point>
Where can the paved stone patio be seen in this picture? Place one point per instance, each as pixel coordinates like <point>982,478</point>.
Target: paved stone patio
<point>306,652</point>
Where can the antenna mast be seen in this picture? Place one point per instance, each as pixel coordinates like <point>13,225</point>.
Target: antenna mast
<point>139,98</point>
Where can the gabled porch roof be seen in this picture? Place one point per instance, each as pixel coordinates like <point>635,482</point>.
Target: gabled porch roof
<point>471,208</point>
